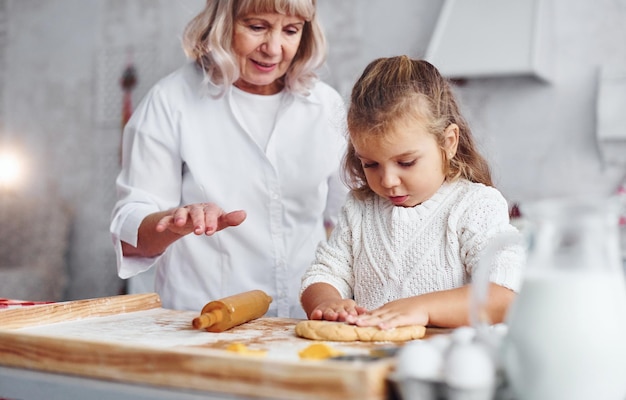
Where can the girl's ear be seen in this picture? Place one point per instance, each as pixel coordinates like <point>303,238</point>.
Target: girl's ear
<point>451,140</point>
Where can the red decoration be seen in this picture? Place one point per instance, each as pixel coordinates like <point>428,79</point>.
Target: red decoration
<point>128,82</point>
<point>10,303</point>
<point>515,211</point>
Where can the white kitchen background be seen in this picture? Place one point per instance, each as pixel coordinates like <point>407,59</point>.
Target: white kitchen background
<point>60,108</point>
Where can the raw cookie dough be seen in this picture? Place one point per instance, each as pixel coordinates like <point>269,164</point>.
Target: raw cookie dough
<point>319,351</point>
<point>241,348</point>
<point>342,332</point>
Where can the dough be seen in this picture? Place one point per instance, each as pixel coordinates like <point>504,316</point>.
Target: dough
<point>319,351</point>
<point>241,348</point>
<point>342,332</point>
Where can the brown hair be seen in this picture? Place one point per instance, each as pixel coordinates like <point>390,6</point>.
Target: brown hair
<point>207,39</point>
<point>392,89</point>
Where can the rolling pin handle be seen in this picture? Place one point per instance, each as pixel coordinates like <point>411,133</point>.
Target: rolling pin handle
<point>207,319</point>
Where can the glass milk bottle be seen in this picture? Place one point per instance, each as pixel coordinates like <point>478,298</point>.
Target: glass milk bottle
<point>567,327</point>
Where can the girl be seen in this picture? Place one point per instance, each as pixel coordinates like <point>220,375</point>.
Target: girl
<point>421,210</point>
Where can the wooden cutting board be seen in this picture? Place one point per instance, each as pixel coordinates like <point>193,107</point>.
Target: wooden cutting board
<point>132,338</point>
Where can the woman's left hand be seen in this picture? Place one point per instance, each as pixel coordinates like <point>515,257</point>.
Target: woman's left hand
<point>199,218</point>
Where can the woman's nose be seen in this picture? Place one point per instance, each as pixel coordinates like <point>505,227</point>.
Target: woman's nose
<point>273,44</point>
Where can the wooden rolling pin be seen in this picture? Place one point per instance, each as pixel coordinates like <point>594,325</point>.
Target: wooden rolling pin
<point>223,314</point>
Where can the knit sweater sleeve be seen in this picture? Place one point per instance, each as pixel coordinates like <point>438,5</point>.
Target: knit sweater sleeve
<point>333,258</point>
<point>483,216</point>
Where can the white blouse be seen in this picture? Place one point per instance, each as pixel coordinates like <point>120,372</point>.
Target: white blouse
<point>183,145</point>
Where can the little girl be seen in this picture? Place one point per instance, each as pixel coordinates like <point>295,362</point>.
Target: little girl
<point>420,212</point>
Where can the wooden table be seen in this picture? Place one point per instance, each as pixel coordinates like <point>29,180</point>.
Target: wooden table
<point>132,340</point>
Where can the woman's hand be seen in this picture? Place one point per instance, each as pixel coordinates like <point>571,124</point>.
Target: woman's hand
<point>199,218</point>
<point>396,313</point>
<point>158,230</point>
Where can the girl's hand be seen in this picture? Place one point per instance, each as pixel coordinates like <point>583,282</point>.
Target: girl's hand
<point>337,310</point>
<point>396,313</point>
<point>199,218</point>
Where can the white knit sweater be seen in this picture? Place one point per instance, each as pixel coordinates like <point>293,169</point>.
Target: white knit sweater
<point>379,252</point>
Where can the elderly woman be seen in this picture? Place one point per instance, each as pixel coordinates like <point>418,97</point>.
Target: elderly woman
<point>244,136</point>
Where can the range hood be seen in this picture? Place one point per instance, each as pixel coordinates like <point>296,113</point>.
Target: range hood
<point>490,38</point>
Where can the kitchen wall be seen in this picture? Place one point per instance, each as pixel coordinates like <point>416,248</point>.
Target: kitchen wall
<point>61,61</point>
